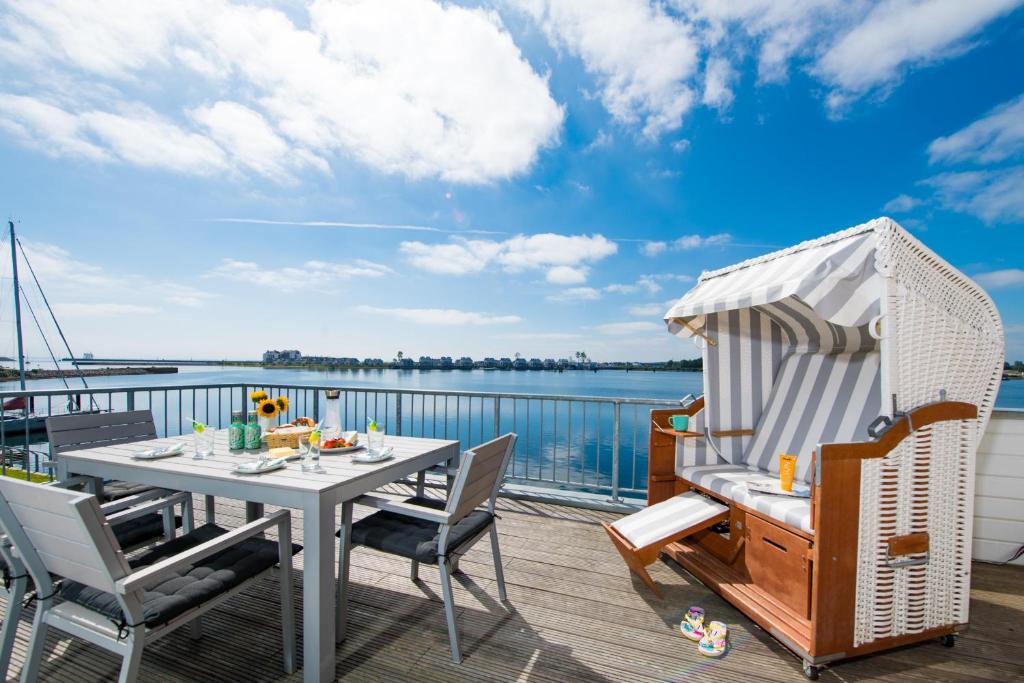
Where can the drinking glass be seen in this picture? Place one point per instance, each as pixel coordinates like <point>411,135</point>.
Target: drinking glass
<point>375,439</point>
<point>309,454</point>
<point>203,442</point>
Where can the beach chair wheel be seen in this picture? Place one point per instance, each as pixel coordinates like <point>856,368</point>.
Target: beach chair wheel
<point>811,672</point>
<point>948,640</point>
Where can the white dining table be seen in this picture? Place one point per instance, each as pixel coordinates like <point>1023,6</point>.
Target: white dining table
<point>317,495</point>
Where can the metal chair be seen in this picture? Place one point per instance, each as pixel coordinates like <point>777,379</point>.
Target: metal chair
<point>121,606</point>
<point>431,531</point>
<point>90,430</point>
<point>134,523</point>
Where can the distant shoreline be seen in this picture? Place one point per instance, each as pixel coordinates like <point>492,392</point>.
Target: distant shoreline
<point>11,375</point>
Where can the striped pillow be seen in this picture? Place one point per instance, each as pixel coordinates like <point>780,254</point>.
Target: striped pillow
<point>817,398</point>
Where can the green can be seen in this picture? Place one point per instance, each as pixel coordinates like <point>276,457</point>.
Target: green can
<point>236,431</point>
<point>253,432</point>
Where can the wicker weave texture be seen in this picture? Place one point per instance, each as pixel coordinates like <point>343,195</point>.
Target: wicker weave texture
<point>942,333</point>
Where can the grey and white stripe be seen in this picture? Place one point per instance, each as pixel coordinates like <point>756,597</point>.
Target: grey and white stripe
<point>836,279</point>
<point>730,481</point>
<point>818,398</point>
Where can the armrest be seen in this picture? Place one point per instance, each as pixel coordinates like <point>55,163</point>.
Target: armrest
<point>138,499</point>
<point>147,575</point>
<point>922,416</point>
<point>407,509</point>
<point>134,511</point>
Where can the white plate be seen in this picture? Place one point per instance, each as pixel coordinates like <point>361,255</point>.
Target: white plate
<point>162,452</point>
<point>335,451</point>
<point>374,456</point>
<point>253,467</point>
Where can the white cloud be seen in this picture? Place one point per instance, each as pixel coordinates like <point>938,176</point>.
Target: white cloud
<point>653,248</point>
<point>602,140</point>
<point>103,310</point>
<point>688,242</point>
<point>647,283</point>
<point>410,87</point>
<point>996,136</point>
<point>575,294</point>
<point>514,255</point>
<point>648,310</point>
<point>567,275</point>
<point>642,58</point>
<point>681,145</point>
<point>898,34</point>
<point>719,75</point>
<point>440,316</point>
<point>311,274</point>
<point>994,196</point>
<point>253,143</point>
<point>900,204</point>
<point>1001,279</point>
<point>617,329</point>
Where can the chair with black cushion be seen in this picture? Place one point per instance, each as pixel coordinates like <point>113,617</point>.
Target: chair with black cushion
<point>428,531</point>
<point>122,605</point>
<point>91,430</point>
<point>135,521</point>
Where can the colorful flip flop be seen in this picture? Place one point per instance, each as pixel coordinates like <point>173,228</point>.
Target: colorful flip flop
<point>692,625</point>
<point>713,643</point>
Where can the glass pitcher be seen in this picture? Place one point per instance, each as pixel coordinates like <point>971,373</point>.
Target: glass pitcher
<point>330,428</point>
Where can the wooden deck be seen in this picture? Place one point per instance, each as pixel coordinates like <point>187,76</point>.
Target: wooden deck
<point>574,614</point>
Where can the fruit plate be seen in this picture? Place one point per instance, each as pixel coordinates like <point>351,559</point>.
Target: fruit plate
<point>345,449</point>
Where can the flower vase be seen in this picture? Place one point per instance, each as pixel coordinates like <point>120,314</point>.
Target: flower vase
<point>265,424</point>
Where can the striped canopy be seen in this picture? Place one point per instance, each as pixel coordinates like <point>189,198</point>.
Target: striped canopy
<point>834,277</point>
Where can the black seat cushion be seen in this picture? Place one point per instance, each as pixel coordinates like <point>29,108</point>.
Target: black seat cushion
<point>414,538</point>
<point>190,586</point>
<point>136,531</point>
<point>116,490</point>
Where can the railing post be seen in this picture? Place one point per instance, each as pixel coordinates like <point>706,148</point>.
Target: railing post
<point>130,400</point>
<point>245,413</point>
<point>316,405</point>
<point>616,427</point>
<point>497,414</point>
<point>398,413</point>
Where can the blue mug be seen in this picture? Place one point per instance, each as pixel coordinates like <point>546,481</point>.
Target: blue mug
<point>679,422</point>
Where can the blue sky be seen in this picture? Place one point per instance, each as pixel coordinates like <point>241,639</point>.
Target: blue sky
<point>353,178</point>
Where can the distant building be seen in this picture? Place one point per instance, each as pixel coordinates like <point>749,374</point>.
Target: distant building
<point>87,355</point>
<point>446,363</point>
<point>373,362</point>
<point>426,363</point>
<point>464,363</point>
<point>489,363</point>
<point>520,364</point>
<point>549,364</point>
<point>281,356</point>
<point>536,364</point>
<point>505,364</point>
<point>406,364</point>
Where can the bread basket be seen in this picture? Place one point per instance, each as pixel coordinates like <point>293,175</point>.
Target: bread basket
<point>286,436</point>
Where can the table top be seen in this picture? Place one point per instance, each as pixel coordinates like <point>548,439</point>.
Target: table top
<point>409,454</point>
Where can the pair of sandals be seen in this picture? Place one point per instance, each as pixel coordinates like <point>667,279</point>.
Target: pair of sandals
<point>710,639</point>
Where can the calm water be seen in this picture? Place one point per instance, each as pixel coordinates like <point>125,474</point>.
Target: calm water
<point>659,385</point>
<point>560,443</point>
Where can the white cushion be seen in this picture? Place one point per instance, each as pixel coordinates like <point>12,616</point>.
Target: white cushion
<point>730,481</point>
<point>667,518</point>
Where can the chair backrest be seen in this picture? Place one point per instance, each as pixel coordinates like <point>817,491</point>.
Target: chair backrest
<point>817,398</point>
<point>75,432</point>
<point>480,476</point>
<point>56,531</point>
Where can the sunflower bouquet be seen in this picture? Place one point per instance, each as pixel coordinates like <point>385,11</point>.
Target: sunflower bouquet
<point>268,407</point>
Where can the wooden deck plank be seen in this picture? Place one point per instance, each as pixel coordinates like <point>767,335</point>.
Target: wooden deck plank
<point>575,614</point>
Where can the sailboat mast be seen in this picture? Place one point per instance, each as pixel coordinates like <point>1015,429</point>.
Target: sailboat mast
<point>17,306</point>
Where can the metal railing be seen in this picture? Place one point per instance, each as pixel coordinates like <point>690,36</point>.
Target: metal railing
<point>581,443</point>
